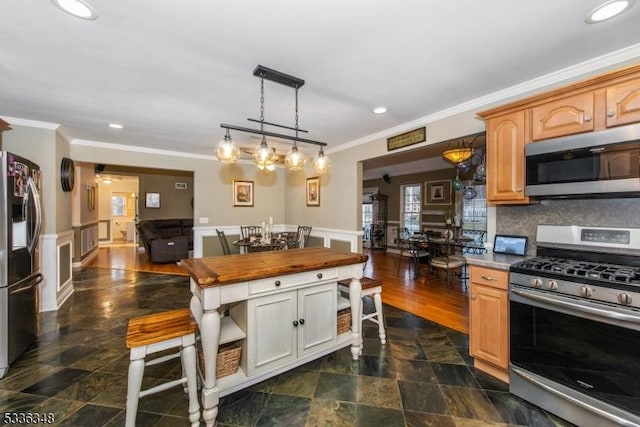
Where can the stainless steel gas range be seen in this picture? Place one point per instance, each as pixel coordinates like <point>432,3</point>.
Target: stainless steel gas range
<point>575,325</point>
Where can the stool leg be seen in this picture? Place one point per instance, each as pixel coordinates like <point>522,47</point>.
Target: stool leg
<point>361,343</point>
<point>377,300</point>
<point>189,364</point>
<point>134,384</point>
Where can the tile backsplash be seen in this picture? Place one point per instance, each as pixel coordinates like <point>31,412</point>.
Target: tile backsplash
<point>522,220</point>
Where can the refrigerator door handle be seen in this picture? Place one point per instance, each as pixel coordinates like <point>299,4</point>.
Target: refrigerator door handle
<point>31,186</point>
<point>33,282</point>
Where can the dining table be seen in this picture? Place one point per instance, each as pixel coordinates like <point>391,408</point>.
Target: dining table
<point>281,242</point>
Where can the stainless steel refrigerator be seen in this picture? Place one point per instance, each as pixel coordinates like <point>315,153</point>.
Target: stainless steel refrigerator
<point>20,222</point>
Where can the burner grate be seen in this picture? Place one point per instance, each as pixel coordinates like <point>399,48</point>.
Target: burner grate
<point>611,273</point>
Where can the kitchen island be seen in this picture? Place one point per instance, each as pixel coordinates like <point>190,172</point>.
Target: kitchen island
<point>280,306</point>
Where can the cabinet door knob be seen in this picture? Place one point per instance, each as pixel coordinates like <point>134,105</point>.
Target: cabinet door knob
<point>519,189</point>
<point>611,113</point>
<point>295,323</point>
<point>473,297</point>
<point>277,283</point>
<point>302,321</point>
<point>587,118</point>
<point>319,275</point>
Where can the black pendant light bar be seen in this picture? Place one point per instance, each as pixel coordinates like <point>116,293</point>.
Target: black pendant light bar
<point>277,76</point>
<point>276,124</point>
<point>272,134</point>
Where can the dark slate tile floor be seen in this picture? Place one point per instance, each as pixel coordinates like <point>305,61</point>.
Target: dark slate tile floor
<point>423,376</point>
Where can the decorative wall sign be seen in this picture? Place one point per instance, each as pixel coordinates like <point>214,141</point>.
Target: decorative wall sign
<point>407,138</point>
<point>437,193</point>
<point>242,193</point>
<point>313,191</point>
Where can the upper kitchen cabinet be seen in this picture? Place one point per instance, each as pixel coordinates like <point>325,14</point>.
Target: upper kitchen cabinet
<point>592,105</point>
<point>505,158</point>
<point>623,103</point>
<point>566,116</point>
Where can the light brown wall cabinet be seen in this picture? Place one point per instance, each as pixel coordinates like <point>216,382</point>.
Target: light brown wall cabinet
<point>592,105</point>
<point>489,321</point>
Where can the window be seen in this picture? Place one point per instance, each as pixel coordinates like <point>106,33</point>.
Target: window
<point>118,205</point>
<point>367,217</point>
<point>411,207</point>
<point>474,215</point>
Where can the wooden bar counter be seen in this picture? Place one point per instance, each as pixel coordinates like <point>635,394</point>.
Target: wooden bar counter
<point>281,306</point>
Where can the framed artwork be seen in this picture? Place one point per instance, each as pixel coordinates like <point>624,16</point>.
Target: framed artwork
<point>91,197</point>
<point>437,193</point>
<point>313,191</point>
<point>242,193</point>
<point>152,200</point>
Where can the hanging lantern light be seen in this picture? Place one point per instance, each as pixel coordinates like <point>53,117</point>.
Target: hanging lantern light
<point>321,163</point>
<point>227,151</point>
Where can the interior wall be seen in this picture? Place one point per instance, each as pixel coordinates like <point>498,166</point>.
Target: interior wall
<point>174,202</point>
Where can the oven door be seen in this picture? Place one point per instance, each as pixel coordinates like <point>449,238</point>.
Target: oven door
<point>584,346</point>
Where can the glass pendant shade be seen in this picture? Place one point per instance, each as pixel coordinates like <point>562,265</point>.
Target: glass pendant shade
<point>264,155</point>
<point>294,160</point>
<point>227,151</point>
<point>458,184</point>
<point>457,155</point>
<point>321,163</point>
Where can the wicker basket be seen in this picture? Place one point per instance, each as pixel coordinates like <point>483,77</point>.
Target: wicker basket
<point>228,359</point>
<point>344,321</point>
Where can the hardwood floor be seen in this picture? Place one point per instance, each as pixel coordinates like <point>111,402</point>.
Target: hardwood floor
<point>426,296</point>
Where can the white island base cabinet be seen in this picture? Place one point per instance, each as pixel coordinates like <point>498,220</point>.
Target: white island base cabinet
<point>283,320</point>
<point>285,326</point>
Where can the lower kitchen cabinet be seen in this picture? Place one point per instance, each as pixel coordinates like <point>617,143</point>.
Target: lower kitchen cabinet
<point>489,321</point>
<point>285,326</point>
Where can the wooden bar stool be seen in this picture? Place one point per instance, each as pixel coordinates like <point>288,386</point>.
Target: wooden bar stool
<point>154,333</point>
<point>373,288</point>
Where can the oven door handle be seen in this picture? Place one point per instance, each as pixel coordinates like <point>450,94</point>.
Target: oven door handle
<point>578,307</point>
<point>609,416</point>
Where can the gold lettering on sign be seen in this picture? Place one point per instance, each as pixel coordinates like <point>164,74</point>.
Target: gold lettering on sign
<point>407,138</point>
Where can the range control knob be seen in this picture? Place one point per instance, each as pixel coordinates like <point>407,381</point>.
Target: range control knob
<point>586,291</point>
<point>536,282</point>
<point>552,285</point>
<point>625,298</point>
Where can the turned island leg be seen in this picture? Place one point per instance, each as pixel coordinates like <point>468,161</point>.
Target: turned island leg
<point>355,298</point>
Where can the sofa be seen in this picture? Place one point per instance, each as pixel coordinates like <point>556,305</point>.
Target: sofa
<point>166,240</point>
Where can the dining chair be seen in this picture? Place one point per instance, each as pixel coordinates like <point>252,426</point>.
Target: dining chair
<point>443,258</point>
<point>224,243</point>
<point>248,231</point>
<point>411,251</point>
<point>304,231</point>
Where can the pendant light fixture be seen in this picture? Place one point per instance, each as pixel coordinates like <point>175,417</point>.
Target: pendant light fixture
<point>295,160</point>
<point>265,156</point>
<point>227,151</point>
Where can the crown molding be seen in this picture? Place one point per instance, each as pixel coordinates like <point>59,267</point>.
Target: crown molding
<point>30,123</point>
<point>137,149</point>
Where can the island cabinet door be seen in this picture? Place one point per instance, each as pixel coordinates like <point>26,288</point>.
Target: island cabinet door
<point>317,323</point>
<point>271,331</point>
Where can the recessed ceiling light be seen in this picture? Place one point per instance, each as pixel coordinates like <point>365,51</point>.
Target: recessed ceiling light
<point>77,8</point>
<point>115,126</point>
<point>608,10</point>
<point>380,110</point>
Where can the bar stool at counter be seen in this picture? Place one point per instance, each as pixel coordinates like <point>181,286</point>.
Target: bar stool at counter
<point>159,332</point>
<point>373,288</point>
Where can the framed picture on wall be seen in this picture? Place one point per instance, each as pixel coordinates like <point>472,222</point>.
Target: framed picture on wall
<point>242,193</point>
<point>313,191</point>
<point>437,193</point>
<point>152,200</point>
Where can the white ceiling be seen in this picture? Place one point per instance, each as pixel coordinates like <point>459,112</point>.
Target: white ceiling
<point>172,71</point>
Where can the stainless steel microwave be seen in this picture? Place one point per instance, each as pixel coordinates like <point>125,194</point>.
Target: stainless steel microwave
<point>596,164</point>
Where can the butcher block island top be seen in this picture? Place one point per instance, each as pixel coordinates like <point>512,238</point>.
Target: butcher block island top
<point>228,269</point>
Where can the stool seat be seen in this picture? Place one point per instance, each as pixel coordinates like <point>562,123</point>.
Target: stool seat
<point>154,333</point>
<point>156,327</point>
<point>373,288</point>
